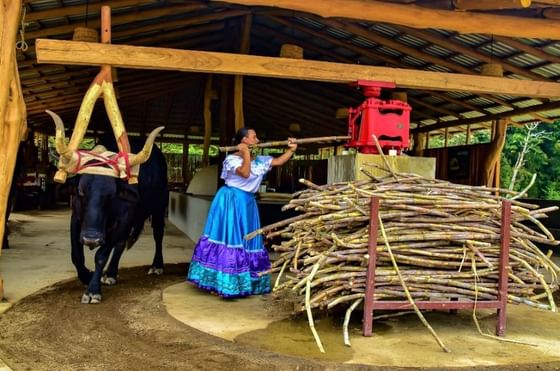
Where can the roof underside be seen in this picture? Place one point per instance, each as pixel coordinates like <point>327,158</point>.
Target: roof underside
<point>149,98</point>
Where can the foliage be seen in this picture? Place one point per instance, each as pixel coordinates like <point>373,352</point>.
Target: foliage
<point>540,159</point>
<point>460,139</point>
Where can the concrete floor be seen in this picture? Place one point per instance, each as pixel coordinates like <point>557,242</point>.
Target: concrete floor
<point>40,257</point>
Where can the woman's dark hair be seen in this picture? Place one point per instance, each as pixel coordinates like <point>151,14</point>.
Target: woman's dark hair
<point>241,133</point>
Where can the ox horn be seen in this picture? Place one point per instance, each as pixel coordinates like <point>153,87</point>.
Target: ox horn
<point>144,154</point>
<point>60,141</point>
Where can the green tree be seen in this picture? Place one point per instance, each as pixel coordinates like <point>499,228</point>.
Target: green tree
<point>540,160</point>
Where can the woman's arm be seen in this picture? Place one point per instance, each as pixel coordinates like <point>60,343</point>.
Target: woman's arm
<point>281,160</point>
<point>245,169</point>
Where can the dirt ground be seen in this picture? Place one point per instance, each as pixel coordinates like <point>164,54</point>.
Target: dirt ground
<point>130,330</point>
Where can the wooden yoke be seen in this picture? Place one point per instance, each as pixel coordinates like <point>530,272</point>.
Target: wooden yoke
<point>72,160</point>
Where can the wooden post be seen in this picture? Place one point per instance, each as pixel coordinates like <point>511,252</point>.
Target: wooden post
<point>499,127</point>
<point>420,143</point>
<point>12,106</point>
<point>244,48</point>
<point>207,113</point>
<point>185,168</point>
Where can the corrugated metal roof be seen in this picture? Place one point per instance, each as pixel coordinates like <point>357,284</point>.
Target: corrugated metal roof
<point>384,29</point>
<point>438,51</point>
<point>412,41</point>
<point>389,51</point>
<point>413,61</point>
<point>465,60</point>
<point>437,68</point>
<point>362,41</point>
<point>550,71</point>
<point>496,50</point>
<point>480,43</point>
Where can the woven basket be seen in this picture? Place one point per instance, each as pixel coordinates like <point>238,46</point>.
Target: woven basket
<point>85,34</point>
<point>291,51</point>
<point>492,69</point>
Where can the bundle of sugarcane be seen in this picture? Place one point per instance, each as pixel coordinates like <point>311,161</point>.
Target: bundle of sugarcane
<point>436,240</point>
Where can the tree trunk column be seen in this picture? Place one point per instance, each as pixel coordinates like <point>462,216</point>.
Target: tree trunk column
<point>12,106</point>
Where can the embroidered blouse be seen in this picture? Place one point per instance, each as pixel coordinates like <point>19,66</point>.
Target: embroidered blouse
<point>259,167</point>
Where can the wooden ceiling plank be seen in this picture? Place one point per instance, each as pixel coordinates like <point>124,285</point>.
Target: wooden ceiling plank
<point>471,52</point>
<point>369,35</point>
<point>528,49</point>
<point>356,48</point>
<point>71,10</point>
<point>266,98</point>
<point>160,27</point>
<point>516,112</point>
<point>417,17</point>
<point>118,19</point>
<point>336,57</point>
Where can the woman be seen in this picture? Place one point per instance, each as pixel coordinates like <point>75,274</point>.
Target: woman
<point>223,261</point>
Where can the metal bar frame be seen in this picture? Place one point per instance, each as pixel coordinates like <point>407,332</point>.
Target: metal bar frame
<point>500,304</point>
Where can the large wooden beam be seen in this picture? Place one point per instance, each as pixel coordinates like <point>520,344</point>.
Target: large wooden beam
<point>125,56</point>
<point>417,17</point>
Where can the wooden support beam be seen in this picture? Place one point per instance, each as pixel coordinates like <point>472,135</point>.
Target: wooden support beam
<point>417,17</point>
<point>209,94</point>
<point>12,108</point>
<point>124,56</point>
<point>516,112</point>
<point>244,48</point>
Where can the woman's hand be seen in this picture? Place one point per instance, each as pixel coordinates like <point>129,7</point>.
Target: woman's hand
<point>243,149</point>
<point>291,144</point>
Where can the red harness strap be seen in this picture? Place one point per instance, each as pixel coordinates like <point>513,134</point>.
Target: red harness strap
<point>102,161</point>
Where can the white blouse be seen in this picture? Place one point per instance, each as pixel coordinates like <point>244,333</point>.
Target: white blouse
<point>259,167</point>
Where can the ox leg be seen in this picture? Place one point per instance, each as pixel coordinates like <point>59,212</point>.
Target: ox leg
<point>77,253</point>
<point>93,294</point>
<point>110,276</point>
<point>158,226</point>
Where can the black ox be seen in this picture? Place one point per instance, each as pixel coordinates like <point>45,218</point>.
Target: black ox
<point>109,214</point>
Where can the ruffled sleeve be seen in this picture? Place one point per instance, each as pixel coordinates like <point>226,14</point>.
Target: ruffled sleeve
<point>262,165</point>
<point>231,163</point>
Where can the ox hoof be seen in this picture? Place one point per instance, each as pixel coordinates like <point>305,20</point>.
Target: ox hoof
<point>91,298</point>
<point>156,271</point>
<point>109,281</point>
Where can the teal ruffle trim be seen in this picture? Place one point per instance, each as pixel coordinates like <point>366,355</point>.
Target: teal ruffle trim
<point>228,285</point>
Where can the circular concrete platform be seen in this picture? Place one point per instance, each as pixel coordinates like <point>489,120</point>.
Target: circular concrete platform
<point>399,341</point>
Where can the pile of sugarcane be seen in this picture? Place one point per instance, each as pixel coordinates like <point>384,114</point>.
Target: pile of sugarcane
<point>436,241</point>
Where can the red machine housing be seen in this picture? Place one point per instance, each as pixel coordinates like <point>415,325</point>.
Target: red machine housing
<point>388,120</point>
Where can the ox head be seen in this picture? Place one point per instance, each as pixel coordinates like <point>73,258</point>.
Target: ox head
<point>105,207</point>
<point>70,160</point>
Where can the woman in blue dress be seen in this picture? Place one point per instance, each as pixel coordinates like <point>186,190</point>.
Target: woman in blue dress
<point>224,262</point>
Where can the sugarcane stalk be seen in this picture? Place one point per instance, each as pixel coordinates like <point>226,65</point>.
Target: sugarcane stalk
<point>410,299</point>
<point>345,335</point>
<point>281,143</point>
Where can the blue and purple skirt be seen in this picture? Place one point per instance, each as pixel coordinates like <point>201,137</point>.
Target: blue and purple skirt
<point>223,262</point>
